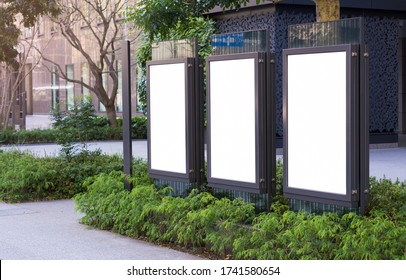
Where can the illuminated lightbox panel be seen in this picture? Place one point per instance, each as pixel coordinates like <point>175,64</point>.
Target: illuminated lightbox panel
<point>320,129</point>
<point>169,118</point>
<point>234,104</point>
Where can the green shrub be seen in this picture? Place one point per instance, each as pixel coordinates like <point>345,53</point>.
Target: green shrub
<point>388,199</point>
<point>80,125</point>
<point>73,127</point>
<point>230,228</point>
<point>19,137</point>
<point>139,127</point>
<point>25,177</point>
<point>371,238</point>
<point>27,136</point>
<point>106,187</point>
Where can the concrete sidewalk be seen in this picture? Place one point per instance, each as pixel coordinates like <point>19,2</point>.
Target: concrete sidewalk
<point>50,231</point>
<point>139,148</point>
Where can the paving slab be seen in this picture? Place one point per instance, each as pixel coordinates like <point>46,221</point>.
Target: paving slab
<point>51,231</point>
<point>388,163</point>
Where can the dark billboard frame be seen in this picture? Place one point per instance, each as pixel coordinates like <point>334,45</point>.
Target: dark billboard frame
<point>262,104</point>
<point>357,141</point>
<point>191,151</point>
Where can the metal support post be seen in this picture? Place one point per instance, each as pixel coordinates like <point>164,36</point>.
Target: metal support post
<point>127,139</point>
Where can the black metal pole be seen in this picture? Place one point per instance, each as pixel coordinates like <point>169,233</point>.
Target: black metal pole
<point>271,129</point>
<point>127,139</point>
<point>364,128</point>
<point>199,113</point>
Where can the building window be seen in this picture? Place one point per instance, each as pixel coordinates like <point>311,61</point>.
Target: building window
<point>119,96</point>
<point>53,28</point>
<point>85,15</point>
<point>85,76</point>
<point>40,26</point>
<point>55,89</point>
<point>70,93</point>
<point>28,32</point>
<point>105,78</point>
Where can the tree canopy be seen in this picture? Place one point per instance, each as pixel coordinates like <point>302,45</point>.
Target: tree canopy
<point>159,16</point>
<point>9,31</point>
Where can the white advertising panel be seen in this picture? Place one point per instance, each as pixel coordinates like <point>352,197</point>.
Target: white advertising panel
<point>232,120</point>
<point>167,113</point>
<point>317,122</point>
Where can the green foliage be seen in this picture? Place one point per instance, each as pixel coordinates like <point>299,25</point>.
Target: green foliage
<point>142,94</point>
<point>9,32</point>
<point>139,126</point>
<point>100,131</point>
<point>25,177</point>
<point>279,177</point>
<point>388,199</point>
<point>195,27</point>
<point>308,236</point>
<point>79,125</point>
<point>157,17</point>
<point>372,239</point>
<point>192,27</point>
<point>10,136</point>
<point>143,54</point>
<point>226,220</point>
<point>231,229</point>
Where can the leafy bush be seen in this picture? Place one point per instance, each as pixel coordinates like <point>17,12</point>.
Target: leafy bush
<point>81,124</point>
<point>388,199</point>
<point>78,125</point>
<point>139,127</point>
<point>10,136</point>
<point>371,238</point>
<point>24,177</point>
<point>35,136</point>
<point>230,228</point>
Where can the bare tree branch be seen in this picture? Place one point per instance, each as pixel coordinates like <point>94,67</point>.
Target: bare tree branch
<point>93,28</point>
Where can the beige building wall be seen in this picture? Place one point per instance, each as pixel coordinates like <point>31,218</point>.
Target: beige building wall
<point>47,89</point>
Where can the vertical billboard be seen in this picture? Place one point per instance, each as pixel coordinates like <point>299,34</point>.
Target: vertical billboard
<point>321,124</point>
<point>236,125</point>
<point>171,120</point>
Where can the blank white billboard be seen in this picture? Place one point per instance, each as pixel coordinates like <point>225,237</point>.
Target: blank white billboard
<point>317,122</point>
<point>167,113</point>
<point>232,120</point>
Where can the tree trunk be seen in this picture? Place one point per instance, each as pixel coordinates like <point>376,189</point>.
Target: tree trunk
<point>10,92</point>
<point>111,114</point>
<point>327,10</point>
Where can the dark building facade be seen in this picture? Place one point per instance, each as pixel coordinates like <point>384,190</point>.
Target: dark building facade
<point>385,36</point>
